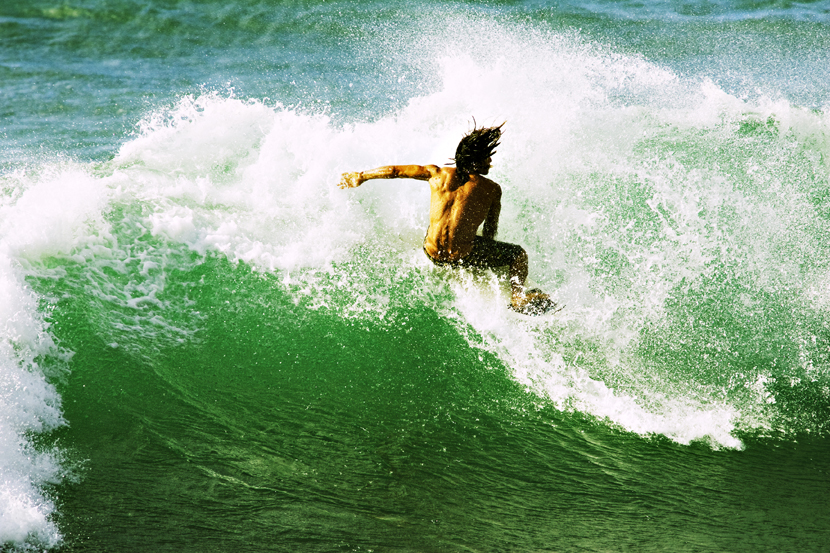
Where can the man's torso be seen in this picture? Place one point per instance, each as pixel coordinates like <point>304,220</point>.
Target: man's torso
<point>456,211</point>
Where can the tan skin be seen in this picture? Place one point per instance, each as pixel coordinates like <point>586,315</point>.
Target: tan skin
<point>456,209</point>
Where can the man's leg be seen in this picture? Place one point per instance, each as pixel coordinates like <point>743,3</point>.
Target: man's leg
<point>521,298</point>
<point>518,276</point>
<point>491,254</point>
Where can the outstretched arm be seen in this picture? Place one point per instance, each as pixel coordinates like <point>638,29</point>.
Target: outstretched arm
<point>419,172</point>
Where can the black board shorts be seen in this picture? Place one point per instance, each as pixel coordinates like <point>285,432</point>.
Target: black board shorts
<point>486,254</point>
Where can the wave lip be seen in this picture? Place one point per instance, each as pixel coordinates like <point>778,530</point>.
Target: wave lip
<point>45,214</point>
<point>28,405</point>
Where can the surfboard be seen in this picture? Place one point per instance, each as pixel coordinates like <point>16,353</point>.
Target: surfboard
<point>538,303</point>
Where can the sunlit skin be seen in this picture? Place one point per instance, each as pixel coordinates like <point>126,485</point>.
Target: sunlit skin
<point>457,208</point>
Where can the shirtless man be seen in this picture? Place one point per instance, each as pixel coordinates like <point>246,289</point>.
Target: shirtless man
<point>461,198</point>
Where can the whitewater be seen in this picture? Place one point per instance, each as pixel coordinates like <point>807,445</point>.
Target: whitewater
<point>682,223</point>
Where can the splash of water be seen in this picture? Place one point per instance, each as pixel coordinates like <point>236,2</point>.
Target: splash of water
<point>682,226</point>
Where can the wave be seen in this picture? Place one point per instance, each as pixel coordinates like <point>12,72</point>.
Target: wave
<point>684,228</point>
<point>648,202</point>
<point>30,364</point>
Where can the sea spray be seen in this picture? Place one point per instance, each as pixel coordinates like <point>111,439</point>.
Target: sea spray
<point>647,202</point>
<point>256,349</point>
<point>632,188</point>
<point>38,216</point>
<point>29,405</point>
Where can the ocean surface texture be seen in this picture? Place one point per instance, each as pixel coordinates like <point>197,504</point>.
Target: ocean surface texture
<point>207,346</point>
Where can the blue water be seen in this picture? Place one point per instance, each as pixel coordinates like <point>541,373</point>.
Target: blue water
<point>205,345</point>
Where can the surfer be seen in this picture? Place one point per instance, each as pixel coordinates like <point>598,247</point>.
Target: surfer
<point>461,199</point>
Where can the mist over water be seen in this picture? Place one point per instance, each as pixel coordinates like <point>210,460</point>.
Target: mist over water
<point>681,221</point>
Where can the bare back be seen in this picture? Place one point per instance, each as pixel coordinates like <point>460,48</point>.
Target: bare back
<point>456,207</point>
<point>456,210</point>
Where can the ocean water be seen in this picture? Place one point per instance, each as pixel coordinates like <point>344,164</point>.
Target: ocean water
<point>205,345</point>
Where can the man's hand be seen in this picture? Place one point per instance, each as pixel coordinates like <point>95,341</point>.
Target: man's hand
<point>351,180</point>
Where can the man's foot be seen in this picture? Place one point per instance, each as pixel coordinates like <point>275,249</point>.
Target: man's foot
<point>532,302</point>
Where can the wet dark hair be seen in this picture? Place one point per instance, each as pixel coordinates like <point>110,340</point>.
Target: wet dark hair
<point>475,147</point>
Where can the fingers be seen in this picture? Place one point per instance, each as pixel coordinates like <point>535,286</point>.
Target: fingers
<point>344,181</point>
<point>349,180</point>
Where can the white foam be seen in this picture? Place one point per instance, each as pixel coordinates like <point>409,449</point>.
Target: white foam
<point>50,213</point>
<point>257,183</point>
<point>28,403</point>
